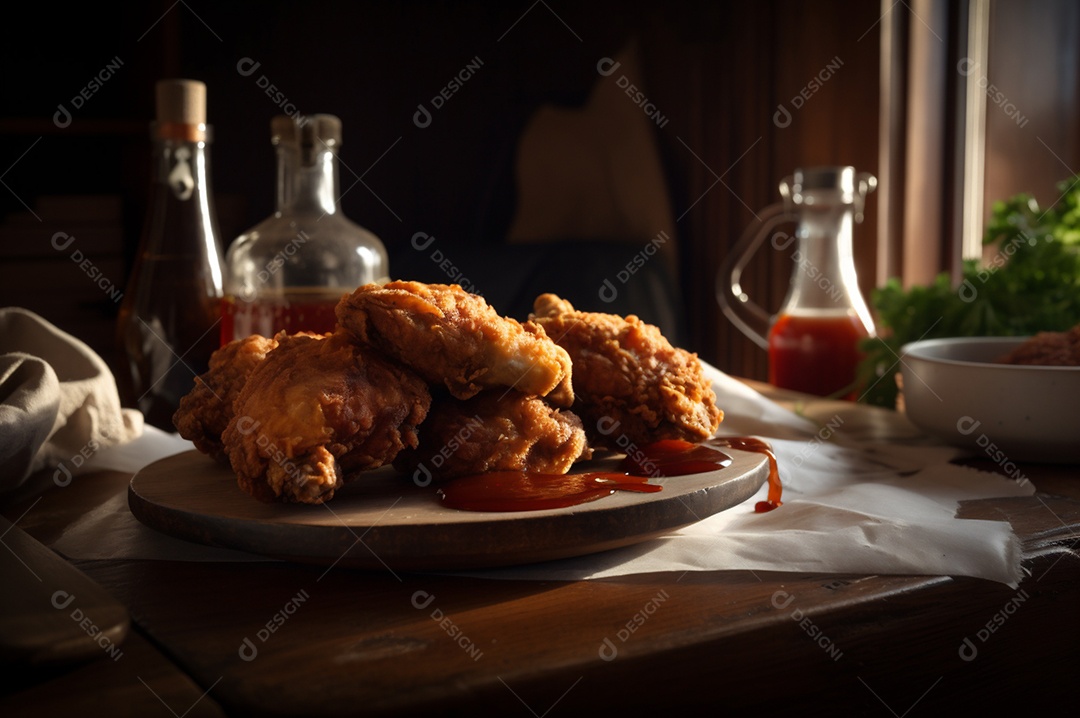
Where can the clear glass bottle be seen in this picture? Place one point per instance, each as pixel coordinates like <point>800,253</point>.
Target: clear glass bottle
<point>814,340</point>
<point>167,325</point>
<point>288,272</point>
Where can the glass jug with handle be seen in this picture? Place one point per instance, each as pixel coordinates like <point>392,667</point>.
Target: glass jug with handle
<point>813,340</point>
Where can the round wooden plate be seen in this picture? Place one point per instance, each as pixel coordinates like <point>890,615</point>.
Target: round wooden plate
<point>385,521</point>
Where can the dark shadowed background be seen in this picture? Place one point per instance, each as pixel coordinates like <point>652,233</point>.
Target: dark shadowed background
<point>538,172</point>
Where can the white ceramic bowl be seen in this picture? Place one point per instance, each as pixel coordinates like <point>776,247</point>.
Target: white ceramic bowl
<point>954,389</point>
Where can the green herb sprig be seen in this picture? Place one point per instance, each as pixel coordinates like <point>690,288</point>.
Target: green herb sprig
<point>1031,283</point>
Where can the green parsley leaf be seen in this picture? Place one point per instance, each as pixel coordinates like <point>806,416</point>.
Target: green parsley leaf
<point>1030,284</point>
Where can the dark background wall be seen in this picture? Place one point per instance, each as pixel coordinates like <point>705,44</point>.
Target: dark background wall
<point>716,71</point>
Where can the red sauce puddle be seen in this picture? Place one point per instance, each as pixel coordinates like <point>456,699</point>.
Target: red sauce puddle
<point>533,491</point>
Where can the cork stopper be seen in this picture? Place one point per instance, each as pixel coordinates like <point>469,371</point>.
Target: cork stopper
<point>311,134</point>
<point>325,129</point>
<point>181,109</point>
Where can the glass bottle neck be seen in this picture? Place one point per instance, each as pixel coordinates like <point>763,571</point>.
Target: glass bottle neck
<point>307,186</point>
<point>824,278</point>
<point>182,160</point>
<point>183,166</point>
<point>181,220</point>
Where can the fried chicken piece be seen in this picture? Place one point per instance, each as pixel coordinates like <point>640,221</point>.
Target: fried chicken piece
<point>315,412</point>
<point>205,411</point>
<point>1048,349</point>
<point>456,339</point>
<point>630,383</point>
<point>496,430</point>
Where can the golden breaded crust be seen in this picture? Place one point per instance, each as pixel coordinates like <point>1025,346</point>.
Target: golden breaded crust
<point>314,412</point>
<point>630,383</point>
<point>496,430</point>
<point>456,339</point>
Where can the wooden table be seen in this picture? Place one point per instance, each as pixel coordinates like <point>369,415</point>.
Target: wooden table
<point>286,639</point>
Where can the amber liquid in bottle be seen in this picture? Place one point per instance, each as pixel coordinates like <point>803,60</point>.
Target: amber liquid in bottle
<point>288,272</point>
<point>295,310</point>
<point>168,322</point>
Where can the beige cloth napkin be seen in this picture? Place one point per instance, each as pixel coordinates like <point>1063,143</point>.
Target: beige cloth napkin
<point>60,404</point>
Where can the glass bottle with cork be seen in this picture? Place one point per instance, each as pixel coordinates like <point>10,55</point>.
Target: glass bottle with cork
<point>167,324</point>
<point>288,272</point>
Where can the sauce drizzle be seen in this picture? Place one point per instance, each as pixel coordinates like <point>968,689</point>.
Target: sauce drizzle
<point>749,443</point>
<point>533,491</point>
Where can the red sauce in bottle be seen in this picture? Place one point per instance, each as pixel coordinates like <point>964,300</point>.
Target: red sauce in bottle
<point>816,354</point>
<point>531,491</point>
<point>293,312</point>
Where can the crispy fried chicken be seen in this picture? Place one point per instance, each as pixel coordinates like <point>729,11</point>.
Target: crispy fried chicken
<point>496,430</point>
<point>315,412</point>
<point>206,410</point>
<point>298,415</point>
<point>630,383</point>
<point>457,340</point>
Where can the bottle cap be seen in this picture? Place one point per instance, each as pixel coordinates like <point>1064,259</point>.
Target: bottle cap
<point>811,185</point>
<point>181,109</point>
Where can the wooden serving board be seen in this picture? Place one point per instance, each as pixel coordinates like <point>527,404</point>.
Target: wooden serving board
<point>385,521</point>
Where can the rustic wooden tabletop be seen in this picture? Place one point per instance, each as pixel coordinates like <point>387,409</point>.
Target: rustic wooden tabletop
<point>280,638</point>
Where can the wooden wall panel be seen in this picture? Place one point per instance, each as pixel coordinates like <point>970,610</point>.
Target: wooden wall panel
<point>718,71</point>
<point>747,64</point>
<point>1033,103</point>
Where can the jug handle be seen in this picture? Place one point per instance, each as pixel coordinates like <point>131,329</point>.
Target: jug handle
<point>751,319</point>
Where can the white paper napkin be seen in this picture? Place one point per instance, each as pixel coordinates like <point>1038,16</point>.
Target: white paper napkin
<point>841,514</point>
<point>110,530</point>
<point>849,506</point>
